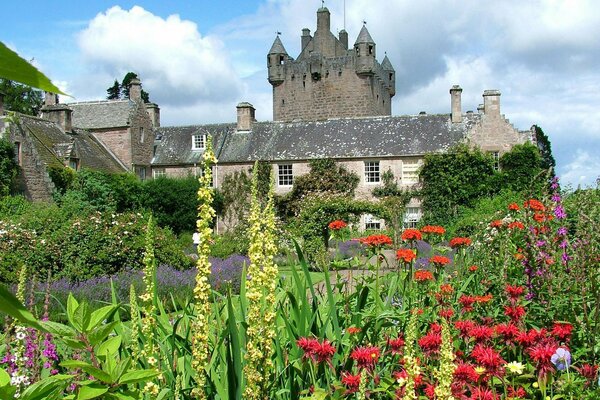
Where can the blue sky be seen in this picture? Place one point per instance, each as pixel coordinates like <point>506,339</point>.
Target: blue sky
<point>198,59</point>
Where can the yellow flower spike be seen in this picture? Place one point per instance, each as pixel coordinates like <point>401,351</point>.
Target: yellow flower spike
<point>200,326</point>
<point>410,361</point>
<point>445,373</point>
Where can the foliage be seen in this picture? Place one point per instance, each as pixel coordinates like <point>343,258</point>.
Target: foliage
<point>114,92</point>
<point>12,206</point>
<point>21,98</point>
<point>520,169</point>
<point>325,178</point>
<point>62,177</point>
<point>393,201</point>
<point>235,189</point>
<point>453,179</point>
<point>125,87</point>
<point>545,148</point>
<point>9,168</point>
<point>234,241</point>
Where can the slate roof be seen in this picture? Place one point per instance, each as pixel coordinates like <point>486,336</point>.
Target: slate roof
<point>364,36</point>
<point>386,64</point>
<point>54,146</point>
<point>101,114</point>
<point>277,47</point>
<point>369,137</point>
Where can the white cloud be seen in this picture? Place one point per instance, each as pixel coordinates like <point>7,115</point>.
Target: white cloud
<point>582,170</point>
<point>177,65</point>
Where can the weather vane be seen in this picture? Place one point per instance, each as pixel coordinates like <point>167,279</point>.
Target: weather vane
<point>364,22</point>
<point>278,33</point>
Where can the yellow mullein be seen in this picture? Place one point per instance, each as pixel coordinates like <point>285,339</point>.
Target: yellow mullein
<point>199,326</point>
<point>445,372</point>
<point>260,293</point>
<point>135,320</point>
<point>410,360</point>
<point>148,306</point>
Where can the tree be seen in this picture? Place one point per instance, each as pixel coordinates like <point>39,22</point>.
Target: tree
<point>8,167</point>
<point>520,167</point>
<point>125,87</point>
<point>21,98</point>
<point>545,148</point>
<point>456,178</point>
<point>114,92</point>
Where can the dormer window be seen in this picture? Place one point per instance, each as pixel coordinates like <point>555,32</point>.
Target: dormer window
<point>198,142</point>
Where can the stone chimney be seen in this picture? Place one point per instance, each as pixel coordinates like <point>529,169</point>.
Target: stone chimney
<point>343,35</point>
<point>56,112</point>
<point>154,112</point>
<point>305,38</point>
<point>480,109</point>
<point>323,20</point>
<point>135,89</point>
<point>491,103</point>
<point>245,116</point>
<point>455,106</point>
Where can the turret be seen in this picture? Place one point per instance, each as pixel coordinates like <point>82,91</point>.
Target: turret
<point>275,62</point>
<point>323,20</point>
<point>364,52</point>
<point>387,67</point>
<point>343,37</point>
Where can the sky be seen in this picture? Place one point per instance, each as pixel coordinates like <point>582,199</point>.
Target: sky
<point>198,59</point>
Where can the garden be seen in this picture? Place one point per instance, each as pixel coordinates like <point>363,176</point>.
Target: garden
<point>509,311</point>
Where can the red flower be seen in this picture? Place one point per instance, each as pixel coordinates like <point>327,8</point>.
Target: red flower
<point>465,373</point>
<point>366,356</point>
<point>496,224</point>
<point>352,382</point>
<point>438,230</point>
<point>589,372</point>
<point>376,240</point>
<point>353,330</point>
<point>431,343</point>
<point>488,357</point>
<point>514,313</point>
<point>534,205</point>
<point>464,327</point>
<point>531,337</point>
<point>562,331</point>
<point>508,331</point>
<point>429,391</point>
<point>481,333</point>
<point>447,313</point>
<point>439,260</point>
<point>422,275</point>
<point>309,346</point>
<point>318,352</point>
<point>460,242</point>
<point>541,354</point>
<point>467,302</point>
<point>484,299</point>
<point>446,289</point>
<point>337,225</point>
<point>516,225</point>
<point>411,234</point>
<point>519,393</point>
<point>473,268</point>
<point>483,393</point>
<point>514,292</point>
<point>407,255</point>
<point>325,351</point>
<point>396,345</point>
<point>514,207</point>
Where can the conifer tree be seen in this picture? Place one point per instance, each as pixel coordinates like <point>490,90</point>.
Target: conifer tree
<point>114,92</point>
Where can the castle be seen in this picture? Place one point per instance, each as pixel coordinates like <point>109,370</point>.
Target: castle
<point>331,102</point>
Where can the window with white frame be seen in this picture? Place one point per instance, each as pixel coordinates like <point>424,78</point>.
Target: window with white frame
<point>285,175</point>
<point>410,171</point>
<point>158,172</point>
<point>496,157</point>
<point>372,223</point>
<point>372,174</point>
<point>412,216</point>
<point>18,153</point>
<point>198,142</point>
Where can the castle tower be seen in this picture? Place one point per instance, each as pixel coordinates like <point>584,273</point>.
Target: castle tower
<point>328,80</point>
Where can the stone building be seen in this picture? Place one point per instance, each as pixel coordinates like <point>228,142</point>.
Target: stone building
<point>335,102</point>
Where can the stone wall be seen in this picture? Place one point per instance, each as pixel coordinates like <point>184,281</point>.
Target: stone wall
<point>495,134</point>
<point>118,141</point>
<point>142,136</point>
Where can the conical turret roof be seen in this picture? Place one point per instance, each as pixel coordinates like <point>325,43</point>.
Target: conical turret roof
<point>364,36</point>
<point>386,64</point>
<point>277,47</point>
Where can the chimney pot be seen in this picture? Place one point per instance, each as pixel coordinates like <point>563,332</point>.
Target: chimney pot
<point>245,116</point>
<point>491,103</point>
<point>455,104</point>
<point>135,89</point>
<point>50,99</point>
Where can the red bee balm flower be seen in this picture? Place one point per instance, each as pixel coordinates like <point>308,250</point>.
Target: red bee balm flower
<point>436,229</point>
<point>316,351</point>
<point>352,382</point>
<point>460,242</point>
<point>376,240</point>
<point>439,261</point>
<point>422,275</point>
<point>516,225</point>
<point>514,313</point>
<point>396,345</point>
<point>473,268</point>
<point>488,357</point>
<point>562,331</point>
<point>366,356</point>
<point>514,292</point>
<point>431,343</point>
<point>465,373</point>
<point>514,207</point>
<point>337,225</point>
<point>406,255</point>
<point>535,205</point>
<point>411,234</point>
<point>496,224</point>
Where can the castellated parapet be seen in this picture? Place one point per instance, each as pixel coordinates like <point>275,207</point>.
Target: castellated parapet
<point>328,80</point>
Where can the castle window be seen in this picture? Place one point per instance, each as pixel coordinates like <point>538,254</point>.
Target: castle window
<point>142,134</point>
<point>412,216</point>
<point>281,60</point>
<point>357,51</point>
<point>198,142</point>
<point>370,50</point>
<point>372,223</point>
<point>372,172</point>
<point>285,175</point>
<point>158,172</point>
<point>496,157</point>
<point>18,153</point>
<point>391,76</point>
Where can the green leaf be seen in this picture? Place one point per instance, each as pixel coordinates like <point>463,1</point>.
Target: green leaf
<point>4,378</point>
<point>6,390</point>
<point>138,376</point>
<point>89,369</point>
<point>47,388</point>
<point>72,306</point>
<point>17,69</point>
<point>100,315</point>
<point>109,347</point>
<point>58,329</point>
<point>100,333</point>
<point>10,305</point>
<point>91,391</point>
<point>82,315</point>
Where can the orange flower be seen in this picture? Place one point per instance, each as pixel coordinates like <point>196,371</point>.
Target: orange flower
<point>446,289</point>
<point>412,234</point>
<point>376,240</point>
<point>438,230</point>
<point>337,225</point>
<point>407,255</point>
<point>519,256</point>
<point>473,268</point>
<point>439,260</point>
<point>496,224</point>
<point>422,275</point>
<point>516,225</point>
<point>484,299</point>
<point>534,204</point>
<point>460,242</point>
<point>514,207</point>
<point>353,330</point>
